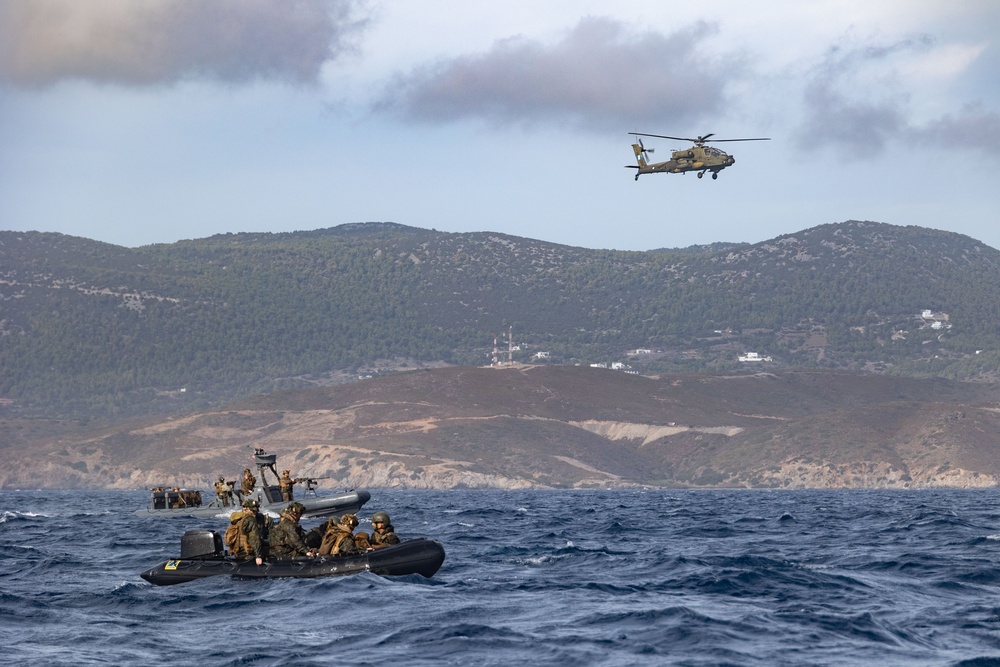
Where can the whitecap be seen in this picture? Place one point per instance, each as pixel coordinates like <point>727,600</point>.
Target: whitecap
<point>8,515</point>
<point>537,560</point>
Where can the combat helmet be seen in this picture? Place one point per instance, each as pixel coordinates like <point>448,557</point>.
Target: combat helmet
<point>349,520</point>
<point>295,508</point>
<point>251,503</point>
<point>380,517</point>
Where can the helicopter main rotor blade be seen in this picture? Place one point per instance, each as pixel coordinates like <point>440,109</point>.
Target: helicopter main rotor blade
<point>661,136</point>
<point>697,140</point>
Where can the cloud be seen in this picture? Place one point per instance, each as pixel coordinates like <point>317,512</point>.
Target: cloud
<point>599,75</point>
<point>147,42</point>
<point>972,128</point>
<point>854,102</point>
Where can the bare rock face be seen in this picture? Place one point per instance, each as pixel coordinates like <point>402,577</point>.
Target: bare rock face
<point>549,427</point>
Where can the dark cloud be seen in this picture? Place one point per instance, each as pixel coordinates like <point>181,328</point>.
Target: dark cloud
<point>856,118</point>
<point>858,128</point>
<point>156,41</point>
<point>972,128</point>
<point>844,112</point>
<point>599,76</point>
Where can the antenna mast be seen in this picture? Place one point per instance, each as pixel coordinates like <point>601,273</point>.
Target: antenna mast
<point>510,346</point>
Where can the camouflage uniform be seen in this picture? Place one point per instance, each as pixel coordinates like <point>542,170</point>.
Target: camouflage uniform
<point>286,483</point>
<point>385,537</point>
<point>339,537</point>
<point>249,481</point>
<point>224,492</point>
<point>361,541</point>
<point>287,539</point>
<point>255,528</point>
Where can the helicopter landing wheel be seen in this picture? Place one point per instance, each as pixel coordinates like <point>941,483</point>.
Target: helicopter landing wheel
<point>637,177</point>
<point>700,174</point>
<point>715,176</point>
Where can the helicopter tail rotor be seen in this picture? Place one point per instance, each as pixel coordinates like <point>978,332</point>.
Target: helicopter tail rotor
<point>641,165</point>
<point>640,153</point>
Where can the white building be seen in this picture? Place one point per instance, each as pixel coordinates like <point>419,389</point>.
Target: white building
<point>752,356</point>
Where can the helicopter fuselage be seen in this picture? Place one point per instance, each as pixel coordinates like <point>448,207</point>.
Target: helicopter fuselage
<point>697,158</point>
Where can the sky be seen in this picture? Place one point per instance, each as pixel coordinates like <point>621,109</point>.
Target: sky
<point>150,121</point>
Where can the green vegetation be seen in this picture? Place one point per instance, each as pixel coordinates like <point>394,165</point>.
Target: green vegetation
<point>93,329</point>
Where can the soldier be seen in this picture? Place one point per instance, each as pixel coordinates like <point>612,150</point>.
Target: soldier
<point>339,538</point>
<point>249,481</point>
<point>287,539</point>
<point>383,534</point>
<point>361,541</point>
<point>251,534</point>
<point>286,482</point>
<point>224,492</point>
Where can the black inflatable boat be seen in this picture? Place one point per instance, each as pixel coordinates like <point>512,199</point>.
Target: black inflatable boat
<point>202,555</point>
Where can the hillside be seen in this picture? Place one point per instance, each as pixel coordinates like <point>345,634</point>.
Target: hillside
<point>91,330</point>
<point>555,426</point>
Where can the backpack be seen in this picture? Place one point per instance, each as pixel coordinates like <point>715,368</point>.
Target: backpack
<point>234,539</point>
<point>231,536</point>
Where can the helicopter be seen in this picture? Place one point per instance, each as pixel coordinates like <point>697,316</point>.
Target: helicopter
<point>699,158</point>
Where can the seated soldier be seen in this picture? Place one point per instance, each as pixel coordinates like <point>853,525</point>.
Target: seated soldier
<point>251,532</point>
<point>287,539</point>
<point>339,537</point>
<point>361,541</point>
<point>384,534</point>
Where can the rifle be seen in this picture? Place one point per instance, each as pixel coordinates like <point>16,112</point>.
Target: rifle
<point>310,482</point>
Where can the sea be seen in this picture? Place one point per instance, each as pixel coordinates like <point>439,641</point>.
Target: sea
<point>597,577</point>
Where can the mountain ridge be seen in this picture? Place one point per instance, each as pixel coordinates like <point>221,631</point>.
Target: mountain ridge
<point>92,330</point>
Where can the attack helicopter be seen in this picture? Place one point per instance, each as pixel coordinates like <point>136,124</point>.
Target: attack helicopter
<point>699,158</point>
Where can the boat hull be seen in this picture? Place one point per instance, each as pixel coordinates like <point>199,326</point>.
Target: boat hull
<point>419,556</point>
<point>315,508</point>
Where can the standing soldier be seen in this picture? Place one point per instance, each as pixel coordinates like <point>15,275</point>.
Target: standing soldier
<point>383,534</point>
<point>286,482</point>
<point>287,539</point>
<point>224,492</point>
<point>249,481</point>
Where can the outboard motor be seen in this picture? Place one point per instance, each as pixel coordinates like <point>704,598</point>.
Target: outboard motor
<point>160,500</point>
<point>201,544</point>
